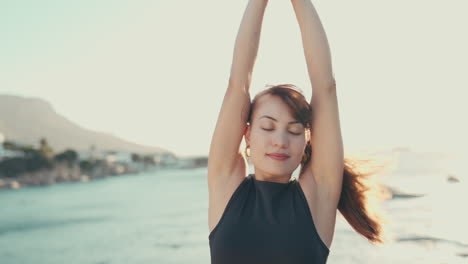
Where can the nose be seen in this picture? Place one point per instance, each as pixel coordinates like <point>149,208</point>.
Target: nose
<point>280,140</point>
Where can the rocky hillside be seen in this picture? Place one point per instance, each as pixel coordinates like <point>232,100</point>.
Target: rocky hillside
<point>27,119</point>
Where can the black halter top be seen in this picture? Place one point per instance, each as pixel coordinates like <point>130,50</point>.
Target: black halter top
<point>267,222</point>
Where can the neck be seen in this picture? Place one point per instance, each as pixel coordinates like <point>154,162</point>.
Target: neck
<point>261,176</point>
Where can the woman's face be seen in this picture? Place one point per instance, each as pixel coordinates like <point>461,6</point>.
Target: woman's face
<point>274,130</point>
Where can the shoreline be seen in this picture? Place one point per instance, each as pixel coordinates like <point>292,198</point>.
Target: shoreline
<point>63,173</point>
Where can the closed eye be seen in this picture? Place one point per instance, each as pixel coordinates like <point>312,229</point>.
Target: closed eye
<point>297,134</point>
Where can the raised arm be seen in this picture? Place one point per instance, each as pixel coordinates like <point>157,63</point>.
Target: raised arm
<point>246,46</point>
<point>225,157</point>
<point>323,175</point>
<point>315,44</point>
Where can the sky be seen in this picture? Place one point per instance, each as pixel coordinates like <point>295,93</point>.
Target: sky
<point>155,72</point>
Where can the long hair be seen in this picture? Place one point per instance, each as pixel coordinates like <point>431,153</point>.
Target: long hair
<point>355,200</point>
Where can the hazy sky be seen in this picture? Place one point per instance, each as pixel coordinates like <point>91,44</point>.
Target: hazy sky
<point>155,72</point>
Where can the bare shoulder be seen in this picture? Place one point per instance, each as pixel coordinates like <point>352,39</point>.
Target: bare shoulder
<point>322,209</point>
<point>221,191</point>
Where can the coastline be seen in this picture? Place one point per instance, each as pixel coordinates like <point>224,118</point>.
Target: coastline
<point>64,173</point>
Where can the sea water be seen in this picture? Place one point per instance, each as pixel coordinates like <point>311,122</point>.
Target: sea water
<point>162,217</point>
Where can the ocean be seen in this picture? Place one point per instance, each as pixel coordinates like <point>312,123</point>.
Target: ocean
<point>162,217</point>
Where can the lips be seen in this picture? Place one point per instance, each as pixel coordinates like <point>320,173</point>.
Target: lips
<point>278,156</point>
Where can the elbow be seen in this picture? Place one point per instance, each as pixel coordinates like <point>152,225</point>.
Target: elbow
<point>329,85</point>
<point>239,83</point>
<point>323,84</point>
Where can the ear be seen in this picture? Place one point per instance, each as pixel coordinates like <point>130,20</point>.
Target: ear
<point>247,134</point>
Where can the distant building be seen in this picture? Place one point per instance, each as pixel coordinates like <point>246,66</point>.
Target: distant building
<point>90,155</point>
<point>6,153</point>
<point>193,162</point>
<point>119,156</point>
<point>167,159</point>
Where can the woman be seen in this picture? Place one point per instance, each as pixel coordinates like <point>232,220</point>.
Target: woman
<point>269,217</point>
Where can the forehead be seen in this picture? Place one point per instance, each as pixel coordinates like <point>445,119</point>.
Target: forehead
<point>273,106</point>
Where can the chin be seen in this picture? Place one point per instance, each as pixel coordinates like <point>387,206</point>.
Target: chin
<point>280,169</point>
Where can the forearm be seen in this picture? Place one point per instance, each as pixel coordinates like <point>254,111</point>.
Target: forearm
<point>247,42</point>
<point>315,44</point>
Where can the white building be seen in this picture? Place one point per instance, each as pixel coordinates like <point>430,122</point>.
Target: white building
<point>119,156</point>
<point>168,159</point>
<point>6,153</point>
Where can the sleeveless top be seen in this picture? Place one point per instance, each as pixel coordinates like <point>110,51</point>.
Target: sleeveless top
<point>267,222</point>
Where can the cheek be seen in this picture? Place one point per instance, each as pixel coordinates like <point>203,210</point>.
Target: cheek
<point>259,138</point>
<point>299,146</point>
<point>257,142</point>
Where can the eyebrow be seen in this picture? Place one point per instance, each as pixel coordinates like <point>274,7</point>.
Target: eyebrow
<point>269,117</point>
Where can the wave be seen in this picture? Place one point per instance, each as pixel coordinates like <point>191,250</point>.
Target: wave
<point>425,239</point>
<point>38,224</point>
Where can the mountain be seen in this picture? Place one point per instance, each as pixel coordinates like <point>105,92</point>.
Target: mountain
<point>28,119</point>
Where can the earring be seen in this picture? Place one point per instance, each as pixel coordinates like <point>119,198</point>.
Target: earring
<point>245,152</point>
